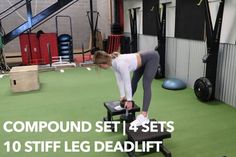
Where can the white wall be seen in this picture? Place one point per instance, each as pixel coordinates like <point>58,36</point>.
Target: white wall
<point>104,22</point>
<point>128,4</point>
<point>170,14</point>
<point>147,42</point>
<point>229,23</point>
<point>228,34</point>
<point>170,20</point>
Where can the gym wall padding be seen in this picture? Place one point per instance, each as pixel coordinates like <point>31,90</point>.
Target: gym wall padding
<point>170,66</point>
<point>226,74</point>
<point>147,42</point>
<point>189,21</point>
<point>149,18</point>
<point>184,59</point>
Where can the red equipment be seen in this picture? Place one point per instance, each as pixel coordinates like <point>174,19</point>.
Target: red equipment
<point>38,50</point>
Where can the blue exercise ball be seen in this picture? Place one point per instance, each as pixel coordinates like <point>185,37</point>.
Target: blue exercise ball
<point>174,84</point>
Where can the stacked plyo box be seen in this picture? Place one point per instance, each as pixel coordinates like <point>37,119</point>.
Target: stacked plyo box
<point>24,78</point>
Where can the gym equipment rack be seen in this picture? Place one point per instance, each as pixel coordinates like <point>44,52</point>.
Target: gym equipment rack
<point>204,87</point>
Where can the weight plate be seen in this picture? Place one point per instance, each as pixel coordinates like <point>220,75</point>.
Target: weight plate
<point>203,89</point>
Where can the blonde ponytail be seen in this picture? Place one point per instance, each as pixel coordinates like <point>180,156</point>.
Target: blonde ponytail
<point>101,57</point>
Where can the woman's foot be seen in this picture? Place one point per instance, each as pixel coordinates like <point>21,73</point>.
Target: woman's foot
<point>140,120</point>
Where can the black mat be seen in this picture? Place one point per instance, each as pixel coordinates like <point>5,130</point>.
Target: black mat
<point>147,136</point>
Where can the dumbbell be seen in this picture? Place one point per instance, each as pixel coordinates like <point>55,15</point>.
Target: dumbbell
<point>128,117</point>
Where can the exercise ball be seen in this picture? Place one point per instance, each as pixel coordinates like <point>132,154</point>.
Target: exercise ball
<point>174,84</point>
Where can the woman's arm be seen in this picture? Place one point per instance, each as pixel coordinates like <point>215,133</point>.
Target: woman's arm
<point>125,77</point>
<point>120,84</point>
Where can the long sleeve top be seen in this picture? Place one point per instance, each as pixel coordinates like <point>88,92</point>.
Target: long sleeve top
<point>122,66</point>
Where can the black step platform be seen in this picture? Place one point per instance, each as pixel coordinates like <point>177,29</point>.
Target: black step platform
<point>140,136</point>
<point>112,112</point>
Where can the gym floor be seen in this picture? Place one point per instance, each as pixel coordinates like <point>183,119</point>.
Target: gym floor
<point>201,129</point>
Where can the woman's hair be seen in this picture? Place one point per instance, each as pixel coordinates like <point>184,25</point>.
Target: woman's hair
<point>101,57</point>
<point>115,54</point>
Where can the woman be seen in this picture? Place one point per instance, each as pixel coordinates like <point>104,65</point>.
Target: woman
<point>141,64</point>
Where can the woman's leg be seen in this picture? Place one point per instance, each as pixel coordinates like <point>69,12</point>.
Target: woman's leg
<point>135,79</point>
<point>150,61</point>
<point>148,75</point>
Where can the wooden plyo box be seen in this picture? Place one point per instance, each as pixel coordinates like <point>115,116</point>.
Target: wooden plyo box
<point>24,78</point>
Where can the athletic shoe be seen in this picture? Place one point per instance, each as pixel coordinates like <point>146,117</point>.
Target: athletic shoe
<point>140,120</point>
